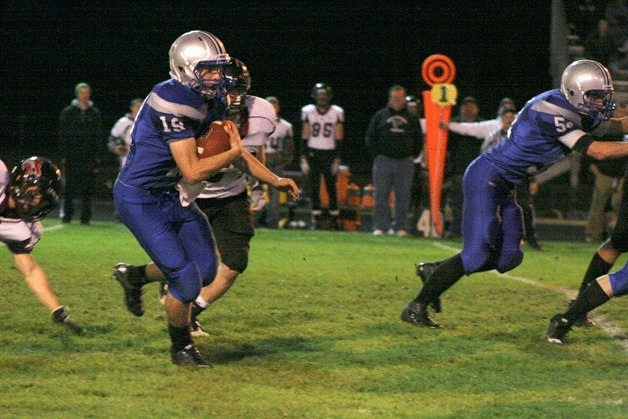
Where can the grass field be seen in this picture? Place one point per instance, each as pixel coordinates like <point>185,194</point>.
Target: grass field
<point>311,329</point>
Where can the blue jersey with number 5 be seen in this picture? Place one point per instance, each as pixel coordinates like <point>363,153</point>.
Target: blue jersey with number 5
<point>171,112</point>
<point>545,129</point>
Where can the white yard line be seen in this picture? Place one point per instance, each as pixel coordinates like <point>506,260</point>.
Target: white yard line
<point>54,227</point>
<point>602,321</point>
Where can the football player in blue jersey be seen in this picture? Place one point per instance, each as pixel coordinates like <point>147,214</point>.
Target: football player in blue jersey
<point>550,125</point>
<point>177,237</point>
<point>223,198</point>
<point>597,286</point>
<point>597,293</point>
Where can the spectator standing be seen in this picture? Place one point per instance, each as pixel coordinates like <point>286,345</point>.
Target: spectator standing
<point>461,151</point>
<point>323,128</point>
<point>616,13</point>
<point>394,139</point>
<point>600,45</point>
<point>279,151</point>
<point>420,196</point>
<point>81,142</point>
<point>120,135</point>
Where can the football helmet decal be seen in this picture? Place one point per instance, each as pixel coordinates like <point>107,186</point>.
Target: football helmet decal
<point>587,85</point>
<point>192,56</point>
<point>35,187</point>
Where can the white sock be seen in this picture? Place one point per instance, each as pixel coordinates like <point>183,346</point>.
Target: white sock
<point>201,302</point>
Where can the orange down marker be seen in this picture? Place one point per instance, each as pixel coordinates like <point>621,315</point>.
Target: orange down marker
<point>438,71</point>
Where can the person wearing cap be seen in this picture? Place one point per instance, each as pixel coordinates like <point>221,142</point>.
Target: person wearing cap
<point>461,151</point>
<point>81,143</point>
<point>482,128</point>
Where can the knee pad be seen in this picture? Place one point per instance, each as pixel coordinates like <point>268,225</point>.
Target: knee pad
<point>236,259</point>
<point>208,269</point>
<point>509,261</point>
<point>185,284</point>
<point>477,261</point>
<point>478,252</point>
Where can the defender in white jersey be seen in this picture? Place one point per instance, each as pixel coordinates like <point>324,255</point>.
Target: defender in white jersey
<point>228,208</point>
<point>27,194</point>
<point>323,128</point>
<point>120,136</point>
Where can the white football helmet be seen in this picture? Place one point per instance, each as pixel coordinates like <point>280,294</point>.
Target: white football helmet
<point>584,83</point>
<point>193,52</point>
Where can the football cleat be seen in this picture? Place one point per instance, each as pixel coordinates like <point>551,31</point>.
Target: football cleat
<point>162,292</point>
<point>416,314</point>
<point>61,315</point>
<point>424,271</point>
<point>582,321</point>
<point>558,329</point>
<point>132,293</point>
<point>189,357</point>
<point>196,330</point>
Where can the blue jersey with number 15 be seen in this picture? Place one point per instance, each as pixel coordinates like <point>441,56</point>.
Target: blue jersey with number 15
<point>171,112</point>
<point>545,129</point>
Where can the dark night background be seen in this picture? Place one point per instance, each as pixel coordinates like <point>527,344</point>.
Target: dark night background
<point>359,48</point>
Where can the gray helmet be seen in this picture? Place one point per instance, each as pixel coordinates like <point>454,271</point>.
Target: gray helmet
<point>190,54</point>
<point>584,78</point>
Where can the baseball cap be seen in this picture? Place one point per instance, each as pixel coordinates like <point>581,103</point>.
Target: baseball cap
<point>505,109</point>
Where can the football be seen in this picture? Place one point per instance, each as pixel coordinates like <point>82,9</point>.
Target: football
<point>214,141</point>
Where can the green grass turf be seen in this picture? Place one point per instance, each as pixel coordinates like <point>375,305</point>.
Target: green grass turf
<point>311,329</point>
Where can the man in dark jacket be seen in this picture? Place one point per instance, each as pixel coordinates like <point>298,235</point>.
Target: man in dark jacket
<point>394,139</point>
<point>81,138</point>
<point>461,151</point>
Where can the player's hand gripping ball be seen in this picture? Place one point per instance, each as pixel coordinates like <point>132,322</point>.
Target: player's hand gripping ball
<point>214,141</point>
